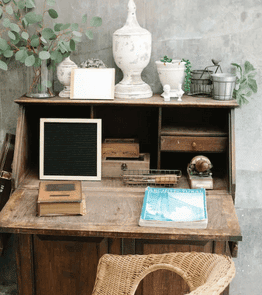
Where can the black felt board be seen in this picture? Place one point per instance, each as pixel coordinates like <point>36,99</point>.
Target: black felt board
<point>70,149</point>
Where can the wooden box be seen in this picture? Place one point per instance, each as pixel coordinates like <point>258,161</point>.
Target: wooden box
<point>120,148</point>
<point>113,167</point>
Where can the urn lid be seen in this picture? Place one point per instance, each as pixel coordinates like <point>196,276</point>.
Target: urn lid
<point>67,62</point>
<point>131,26</point>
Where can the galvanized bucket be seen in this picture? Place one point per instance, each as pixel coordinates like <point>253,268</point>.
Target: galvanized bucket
<point>223,86</point>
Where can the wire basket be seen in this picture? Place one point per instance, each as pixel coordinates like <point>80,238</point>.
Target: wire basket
<point>201,83</point>
<point>152,177</point>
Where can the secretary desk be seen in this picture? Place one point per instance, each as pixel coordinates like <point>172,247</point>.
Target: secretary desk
<point>59,255</point>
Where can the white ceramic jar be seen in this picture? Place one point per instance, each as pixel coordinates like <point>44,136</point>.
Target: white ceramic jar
<point>64,75</point>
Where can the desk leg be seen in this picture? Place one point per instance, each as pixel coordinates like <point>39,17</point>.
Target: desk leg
<point>25,265</point>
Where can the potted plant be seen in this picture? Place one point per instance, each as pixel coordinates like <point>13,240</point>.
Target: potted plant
<point>27,39</point>
<point>246,84</point>
<point>174,73</point>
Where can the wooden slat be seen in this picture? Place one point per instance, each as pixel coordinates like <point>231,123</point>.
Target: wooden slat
<point>21,149</point>
<point>113,213</point>
<point>155,100</point>
<point>25,266</point>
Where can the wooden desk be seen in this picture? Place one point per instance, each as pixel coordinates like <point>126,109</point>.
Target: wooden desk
<point>59,255</point>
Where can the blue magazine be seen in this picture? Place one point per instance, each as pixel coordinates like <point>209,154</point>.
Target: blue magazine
<point>178,208</point>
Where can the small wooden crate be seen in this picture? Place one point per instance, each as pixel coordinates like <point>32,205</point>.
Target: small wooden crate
<point>112,167</point>
<point>120,148</point>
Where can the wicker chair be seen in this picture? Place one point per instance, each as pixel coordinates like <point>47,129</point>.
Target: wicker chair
<point>204,273</point>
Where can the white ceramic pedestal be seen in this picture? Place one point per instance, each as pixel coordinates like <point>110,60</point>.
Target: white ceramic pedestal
<point>132,51</point>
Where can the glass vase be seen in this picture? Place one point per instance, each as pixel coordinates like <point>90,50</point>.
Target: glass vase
<point>40,81</point>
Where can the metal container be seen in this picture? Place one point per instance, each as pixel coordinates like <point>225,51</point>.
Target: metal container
<point>201,82</point>
<point>223,86</point>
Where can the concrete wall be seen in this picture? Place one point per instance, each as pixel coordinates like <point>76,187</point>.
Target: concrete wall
<point>198,30</point>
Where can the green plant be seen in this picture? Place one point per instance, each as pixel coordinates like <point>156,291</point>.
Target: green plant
<point>247,83</point>
<point>25,37</point>
<point>187,81</point>
<point>188,75</point>
<point>166,59</point>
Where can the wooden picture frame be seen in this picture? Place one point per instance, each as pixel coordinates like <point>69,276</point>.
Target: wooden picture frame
<point>70,149</point>
<point>92,83</point>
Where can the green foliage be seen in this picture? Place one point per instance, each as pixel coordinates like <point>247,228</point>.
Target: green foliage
<point>187,82</point>
<point>247,83</point>
<point>29,41</point>
<point>166,59</point>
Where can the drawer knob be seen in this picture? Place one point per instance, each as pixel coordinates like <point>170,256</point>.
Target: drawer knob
<point>194,144</point>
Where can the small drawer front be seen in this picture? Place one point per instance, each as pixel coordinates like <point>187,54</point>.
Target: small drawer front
<point>193,144</point>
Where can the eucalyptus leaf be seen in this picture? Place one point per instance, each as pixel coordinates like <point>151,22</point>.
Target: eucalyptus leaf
<point>11,35</point>
<point>43,39</point>
<point>9,9</point>
<point>89,34</point>
<point>35,42</point>
<point>17,38</point>
<point>44,55</point>
<point>57,27</point>
<point>50,2</point>
<point>65,27</point>
<point>19,55</point>
<point>25,35</point>
<point>21,4</point>
<point>6,1</point>
<point>96,21</point>
<point>77,34</point>
<point>74,26</point>
<point>1,11</point>
<point>8,53</point>
<point>38,62</point>
<point>3,44</point>
<point>53,13</point>
<point>84,18</point>
<point>29,3</point>
<point>48,34</point>
<point>6,22</point>
<point>29,61</point>
<point>3,65</point>
<point>14,27</point>
<point>32,18</point>
<point>62,47</point>
<point>72,45</point>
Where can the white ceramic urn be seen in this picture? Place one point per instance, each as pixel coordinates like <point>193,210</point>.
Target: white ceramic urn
<point>132,52</point>
<point>64,75</point>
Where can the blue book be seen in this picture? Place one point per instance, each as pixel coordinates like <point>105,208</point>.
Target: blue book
<point>178,208</point>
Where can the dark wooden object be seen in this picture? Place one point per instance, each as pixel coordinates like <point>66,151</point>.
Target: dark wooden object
<point>61,254</point>
<point>6,159</point>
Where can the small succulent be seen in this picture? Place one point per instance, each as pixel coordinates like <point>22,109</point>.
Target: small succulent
<point>166,59</point>
<point>93,63</point>
<point>247,84</point>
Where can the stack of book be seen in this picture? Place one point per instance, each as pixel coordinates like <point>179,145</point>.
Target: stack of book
<point>178,208</point>
<point>60,198</point>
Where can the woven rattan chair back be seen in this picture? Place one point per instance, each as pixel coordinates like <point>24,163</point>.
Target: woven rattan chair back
<point>205,273</point>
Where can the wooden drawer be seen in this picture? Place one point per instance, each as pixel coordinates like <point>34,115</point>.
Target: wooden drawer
<point>193,144</point>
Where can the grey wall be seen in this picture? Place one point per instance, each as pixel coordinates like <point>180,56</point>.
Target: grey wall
<point>230,30</point>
